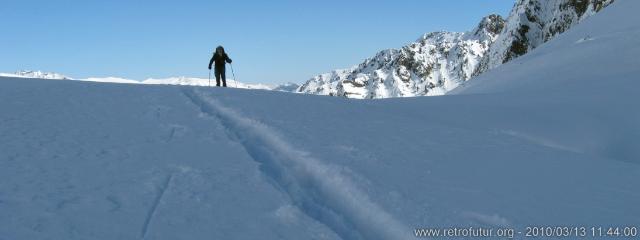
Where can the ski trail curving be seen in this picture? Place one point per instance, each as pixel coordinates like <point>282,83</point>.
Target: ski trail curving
<point>320,190</point>
<point>156,202</point>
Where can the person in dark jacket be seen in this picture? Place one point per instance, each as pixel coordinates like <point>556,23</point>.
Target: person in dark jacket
<point>220,58</point>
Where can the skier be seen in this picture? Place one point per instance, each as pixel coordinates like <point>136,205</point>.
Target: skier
<point>221,58</point>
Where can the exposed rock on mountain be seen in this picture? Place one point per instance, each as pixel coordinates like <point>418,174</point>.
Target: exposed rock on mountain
<point>440,61</point>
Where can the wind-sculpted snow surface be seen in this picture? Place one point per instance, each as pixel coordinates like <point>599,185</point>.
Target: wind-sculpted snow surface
<point>322,191</point>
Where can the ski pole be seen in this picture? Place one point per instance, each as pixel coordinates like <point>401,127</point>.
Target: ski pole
<point>235,80</point>
<point>209,77</point>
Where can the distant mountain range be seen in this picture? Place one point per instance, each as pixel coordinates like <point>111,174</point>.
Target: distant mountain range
<point>36,74</point>
<point>438,62</point>
<point>288,87</point>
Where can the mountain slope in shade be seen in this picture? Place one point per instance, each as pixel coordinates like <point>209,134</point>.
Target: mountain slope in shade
<point>441,61</point>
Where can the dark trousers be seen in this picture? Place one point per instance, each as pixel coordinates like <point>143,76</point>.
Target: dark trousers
<point>220,73</point>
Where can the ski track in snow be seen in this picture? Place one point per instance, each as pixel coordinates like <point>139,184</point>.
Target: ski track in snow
<point>540,141</point>
<point>154,207</point>
<point>318,189</point>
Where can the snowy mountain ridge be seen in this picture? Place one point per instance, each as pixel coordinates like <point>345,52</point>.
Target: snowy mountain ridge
<point>438,62</point>
<point>534,22</point>
<point>286,87</point>
<point>36,74</point>
<point>432,65</point>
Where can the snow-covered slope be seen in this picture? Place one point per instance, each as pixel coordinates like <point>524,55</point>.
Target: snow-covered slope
<point>549,139</point>
<point>591,71</point>
<point>441,61</point>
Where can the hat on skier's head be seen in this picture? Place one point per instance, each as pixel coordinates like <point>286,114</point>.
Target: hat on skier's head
<point>220,49</point>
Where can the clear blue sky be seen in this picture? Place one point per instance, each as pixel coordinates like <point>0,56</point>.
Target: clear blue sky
<point>269,41</point>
